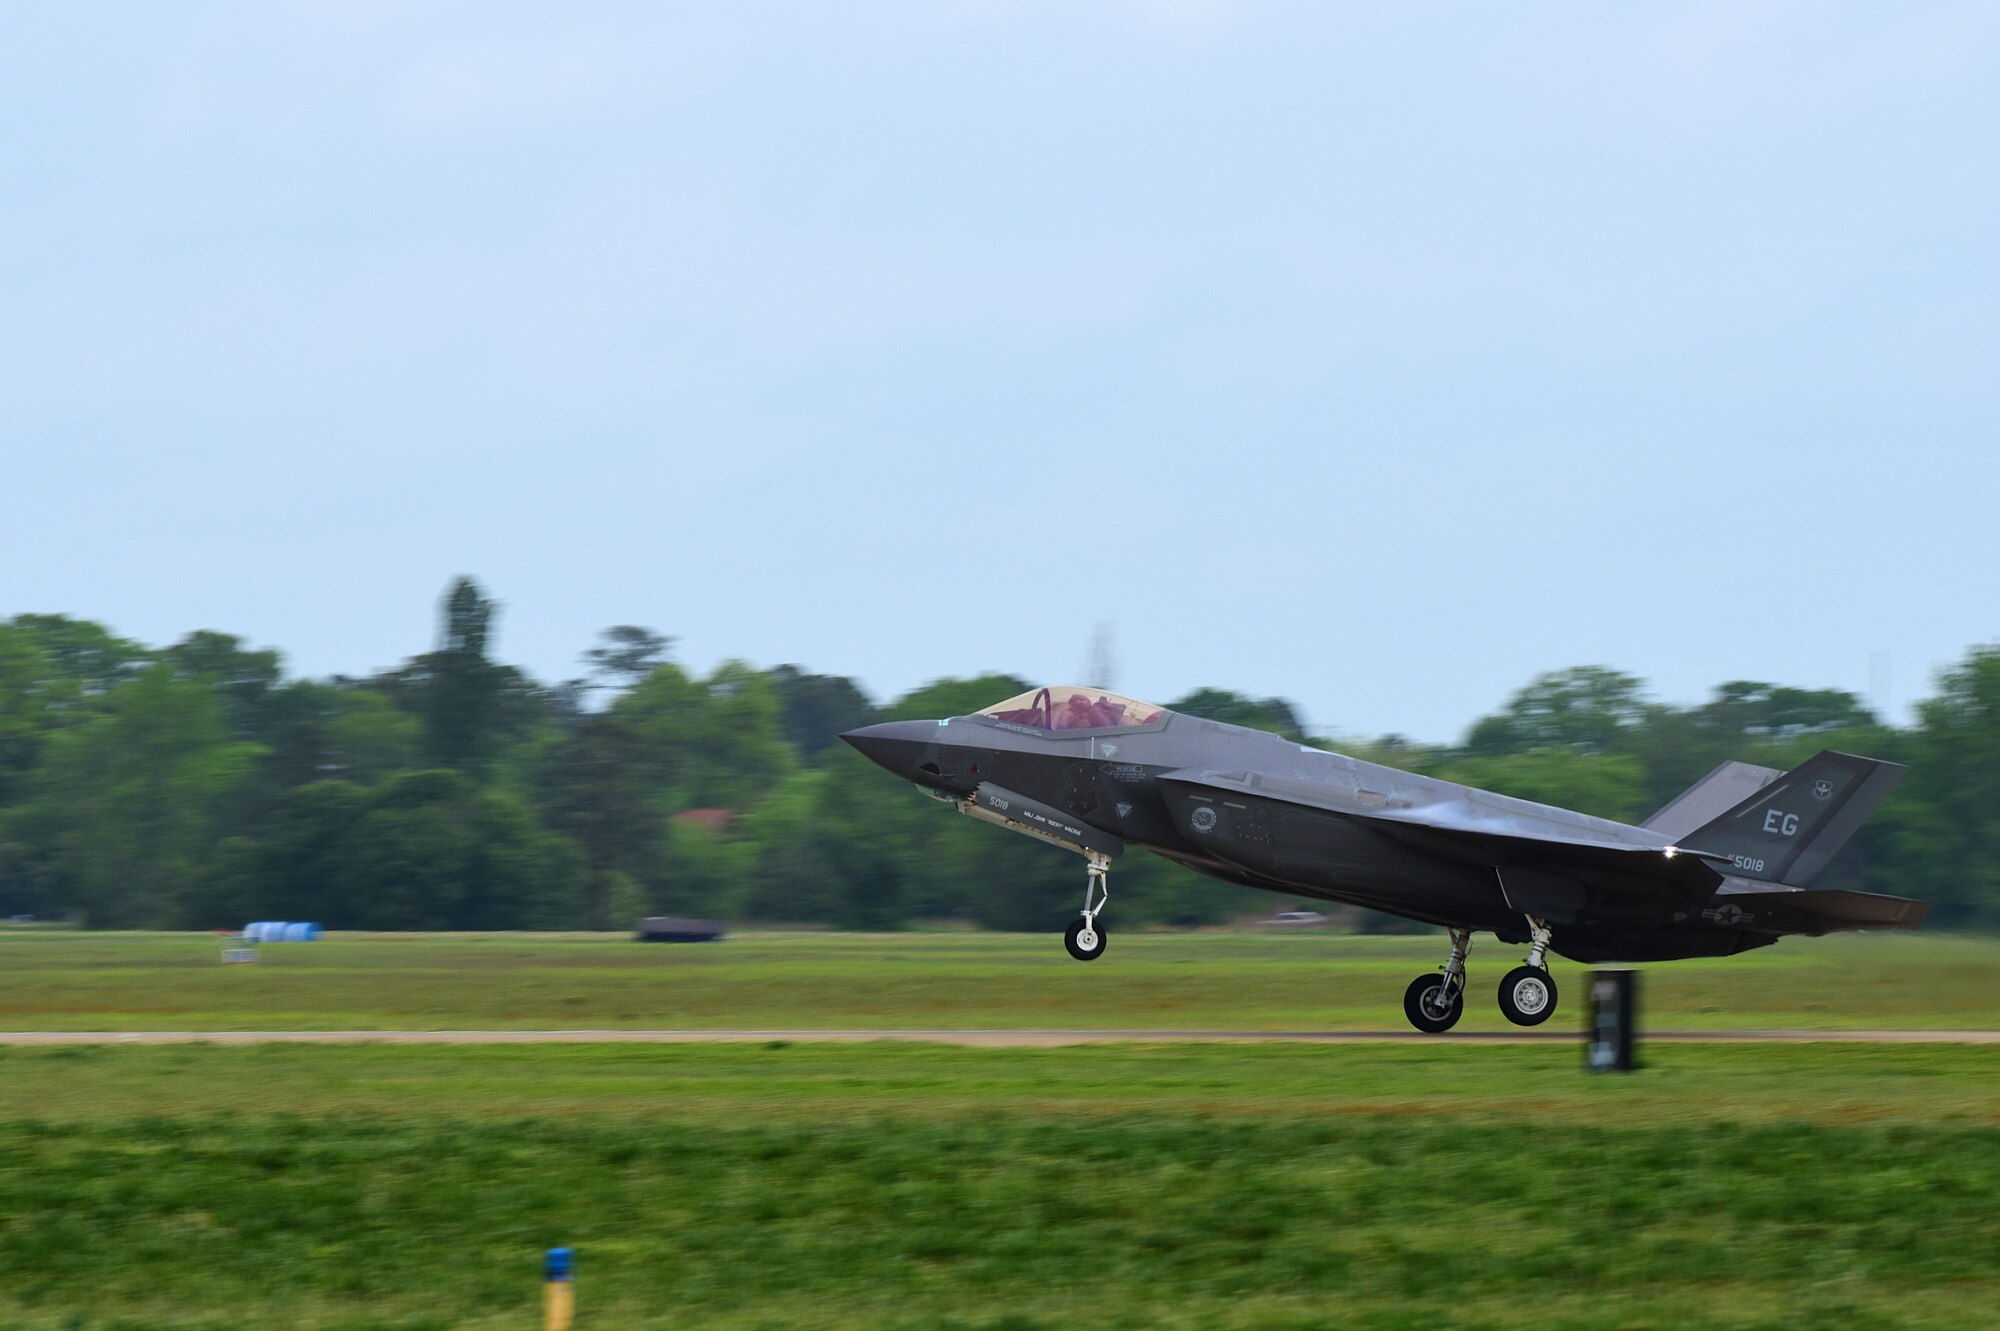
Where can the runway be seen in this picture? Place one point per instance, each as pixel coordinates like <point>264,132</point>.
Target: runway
<point>977,1039</point>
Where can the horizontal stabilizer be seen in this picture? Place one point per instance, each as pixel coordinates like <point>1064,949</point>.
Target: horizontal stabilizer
<point>1787,831</point>
<point>1806,911</point>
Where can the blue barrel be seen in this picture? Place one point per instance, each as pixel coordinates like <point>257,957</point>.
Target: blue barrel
<point>280,931</point>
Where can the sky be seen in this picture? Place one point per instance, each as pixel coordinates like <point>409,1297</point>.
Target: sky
<point>1378,356</point>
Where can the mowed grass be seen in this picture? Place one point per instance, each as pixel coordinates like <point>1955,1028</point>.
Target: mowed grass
<point>758,981</point>
<point>918,1186</point>
<point>725,1085</point>
<point>1260,1187</point>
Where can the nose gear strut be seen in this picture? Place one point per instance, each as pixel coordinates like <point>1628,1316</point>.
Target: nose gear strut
<point>1085,939</point>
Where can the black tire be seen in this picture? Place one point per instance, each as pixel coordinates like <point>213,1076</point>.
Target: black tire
<point>1421,1017</point>
<point>1527,995</point>
<point>1072,939</point>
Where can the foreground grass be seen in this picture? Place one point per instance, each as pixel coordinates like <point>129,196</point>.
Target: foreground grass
<point>724,1085</point>
<point>1311,981</point>
<point>909,1186</point>
<point>1123,1221</point>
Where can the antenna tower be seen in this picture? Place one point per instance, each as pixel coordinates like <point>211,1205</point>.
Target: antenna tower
<point>1101,669</point>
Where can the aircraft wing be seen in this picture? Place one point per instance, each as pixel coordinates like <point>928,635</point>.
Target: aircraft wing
<point>1268,824</point>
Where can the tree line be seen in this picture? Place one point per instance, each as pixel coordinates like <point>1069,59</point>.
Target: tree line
<point>196,786</point>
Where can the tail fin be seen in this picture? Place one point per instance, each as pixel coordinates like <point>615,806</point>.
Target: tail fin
<point>1787,831</point>
<point>1709,798</point>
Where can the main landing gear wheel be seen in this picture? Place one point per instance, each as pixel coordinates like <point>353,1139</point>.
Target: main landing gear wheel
<point>1433,1003</point>
<point>1085,940</point>
<point>1432,1006</point>
<point>1527,995</point>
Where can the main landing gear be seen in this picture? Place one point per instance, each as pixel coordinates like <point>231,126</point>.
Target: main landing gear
<point>1085,938</point>
<point>1528,993</point>
<point>1434,1003</point>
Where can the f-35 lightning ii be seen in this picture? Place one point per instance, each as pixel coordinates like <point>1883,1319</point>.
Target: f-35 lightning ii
<point>1723,868</point>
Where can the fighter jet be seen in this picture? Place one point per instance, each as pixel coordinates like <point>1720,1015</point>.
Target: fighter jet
<point>1723,868</point>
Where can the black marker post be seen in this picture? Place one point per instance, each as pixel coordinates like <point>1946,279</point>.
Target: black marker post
<point>1614,1021</point>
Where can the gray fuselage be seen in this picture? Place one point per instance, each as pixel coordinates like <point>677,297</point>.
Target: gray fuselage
<point>1297,820</point>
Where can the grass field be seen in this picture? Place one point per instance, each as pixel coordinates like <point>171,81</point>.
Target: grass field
<point>1307,981</point>
<point>1260,1187</point>
<point>909,1186</point>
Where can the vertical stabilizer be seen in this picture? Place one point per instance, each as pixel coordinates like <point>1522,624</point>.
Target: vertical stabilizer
<point>1787,831</point>
<point>1709,798</point>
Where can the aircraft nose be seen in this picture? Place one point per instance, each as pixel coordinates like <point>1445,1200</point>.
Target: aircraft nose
<point>896,745</point>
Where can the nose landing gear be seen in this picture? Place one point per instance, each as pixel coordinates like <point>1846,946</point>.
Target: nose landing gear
<point>1085,938</point>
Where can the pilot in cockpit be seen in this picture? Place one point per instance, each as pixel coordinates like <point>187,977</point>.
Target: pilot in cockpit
<point>1070,708</point>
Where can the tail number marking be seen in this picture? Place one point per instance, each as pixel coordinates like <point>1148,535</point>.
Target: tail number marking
<point>1747,864</point>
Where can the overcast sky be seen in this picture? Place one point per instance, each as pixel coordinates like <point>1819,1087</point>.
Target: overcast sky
<point>1379,357</point>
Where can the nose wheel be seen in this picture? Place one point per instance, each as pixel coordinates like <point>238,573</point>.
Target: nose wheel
<point>1085,938</point>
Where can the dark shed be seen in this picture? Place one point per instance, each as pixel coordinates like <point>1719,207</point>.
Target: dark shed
<point>669,929</point>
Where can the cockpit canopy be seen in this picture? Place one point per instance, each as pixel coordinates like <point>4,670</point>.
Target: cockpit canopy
<point>1068,707</point>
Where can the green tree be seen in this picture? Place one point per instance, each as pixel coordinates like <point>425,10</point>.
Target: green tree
<point>410,853</point>
<point>1586,708</point>
<point>132,799</point>
<point>953,697</point>
<point>1945,819</point>
<point>602,786</point>
<point>1272,714</point>
<point>1749,708</point>
<point>1747,721</point>
<point>1146,889</point>
<point>1602,785</point>
<point>815,709</point>
<point>30,703</point>
<point>434,851</point>
<point>702,872</point>
<point>88,654</point>
<point>243,680</point>
<point>306,867</point>
<point>458,687</point>
<point>622,903</point>
<point>790,877</point>
<point>867,881</point>
<point>323,732</point>
<point>717,739</point>
<point>627,654</point>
